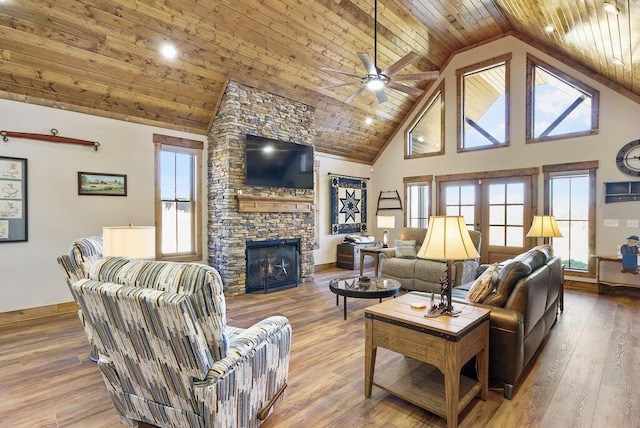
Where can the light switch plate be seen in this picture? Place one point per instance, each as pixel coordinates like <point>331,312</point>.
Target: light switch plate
<point>610,222</point>
<point>632,223</point>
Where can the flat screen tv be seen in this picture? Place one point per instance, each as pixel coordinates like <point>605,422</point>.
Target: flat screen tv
<point>276,163</point>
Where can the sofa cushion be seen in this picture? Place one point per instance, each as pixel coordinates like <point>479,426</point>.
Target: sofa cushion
<point>406,249</point>
<point>534,258</point>
<point>483,285</point>
<point>416,233</point>
<point>507,278</point>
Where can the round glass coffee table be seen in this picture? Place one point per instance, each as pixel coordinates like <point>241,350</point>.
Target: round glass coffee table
<point>362,287</point>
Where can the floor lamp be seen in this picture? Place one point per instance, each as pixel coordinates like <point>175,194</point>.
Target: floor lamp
<point>544,226</point>
<point>136,242</point>
<point>448,238</point>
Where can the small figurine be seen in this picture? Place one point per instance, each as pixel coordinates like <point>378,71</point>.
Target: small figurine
<point>433,310</point>
<point>629,252</point>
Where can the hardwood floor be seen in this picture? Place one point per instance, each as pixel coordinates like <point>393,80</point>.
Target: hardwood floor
<point>585,376</point>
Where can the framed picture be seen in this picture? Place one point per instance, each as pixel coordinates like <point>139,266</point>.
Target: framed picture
<point>13,199</point>
<point>96,183</point>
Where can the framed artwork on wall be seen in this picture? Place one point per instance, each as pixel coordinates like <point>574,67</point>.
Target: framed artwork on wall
<point>13,199</point>
<point>102,184</point>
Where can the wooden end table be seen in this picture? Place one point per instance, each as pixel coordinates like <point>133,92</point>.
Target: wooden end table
<point>373,252</point>
<point>445,343</point>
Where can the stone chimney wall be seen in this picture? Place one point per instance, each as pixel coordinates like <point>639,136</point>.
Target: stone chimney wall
<point>246,110</point>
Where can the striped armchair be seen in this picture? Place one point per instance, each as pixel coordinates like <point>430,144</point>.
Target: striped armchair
<point>167,355</point>
<point>76,265</point>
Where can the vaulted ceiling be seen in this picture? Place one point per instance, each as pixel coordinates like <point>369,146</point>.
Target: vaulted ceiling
<point>102,56</point>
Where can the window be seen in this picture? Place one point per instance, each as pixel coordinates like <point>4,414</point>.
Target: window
<point>425,136</point>
<point>570,198</point>
<point>559,106</point>
<point>506,214</point>
<point>483,114</point>
<point>418,200</point>
<point>178,193</point>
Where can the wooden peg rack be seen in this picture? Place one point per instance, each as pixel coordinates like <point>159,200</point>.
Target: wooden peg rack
<point>53,138</point>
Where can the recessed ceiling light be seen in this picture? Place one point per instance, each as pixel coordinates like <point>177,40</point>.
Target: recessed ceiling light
<point>611,8</point>
<point>549,28</point>
<point>617,61</point>
<point>169,51</point>
<point>368,120</point>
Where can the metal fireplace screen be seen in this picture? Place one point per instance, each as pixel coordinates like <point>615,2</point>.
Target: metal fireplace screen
<point>272,265</point>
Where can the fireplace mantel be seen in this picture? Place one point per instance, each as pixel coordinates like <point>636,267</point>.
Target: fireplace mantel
<point>274,204</point>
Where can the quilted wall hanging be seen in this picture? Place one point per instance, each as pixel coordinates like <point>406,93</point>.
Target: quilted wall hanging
<point>348,204</point>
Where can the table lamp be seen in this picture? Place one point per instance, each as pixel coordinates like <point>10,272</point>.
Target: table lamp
<point>544,226</point>
<point>447,238</point>
<point>138,242</point>
<point>385,222</point>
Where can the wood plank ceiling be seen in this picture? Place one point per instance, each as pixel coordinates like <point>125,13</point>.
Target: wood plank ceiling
<point>102,56</point>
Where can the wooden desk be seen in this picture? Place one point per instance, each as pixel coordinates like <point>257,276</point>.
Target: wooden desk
<point>373,252</point>
<point>444,343</point>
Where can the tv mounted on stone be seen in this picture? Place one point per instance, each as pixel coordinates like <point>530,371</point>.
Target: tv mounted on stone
<point>277,163</point>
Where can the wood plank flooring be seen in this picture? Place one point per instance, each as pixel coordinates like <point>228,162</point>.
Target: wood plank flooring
<point>585,376</point>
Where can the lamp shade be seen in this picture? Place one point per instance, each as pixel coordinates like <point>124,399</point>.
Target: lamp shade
<point>386,221</point>
<point>448,238</point>
<point>138,242</point>
<point>544,226</point>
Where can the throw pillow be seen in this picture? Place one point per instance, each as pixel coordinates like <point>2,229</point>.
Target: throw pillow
<point>406,249</point>
<point>484,285</point>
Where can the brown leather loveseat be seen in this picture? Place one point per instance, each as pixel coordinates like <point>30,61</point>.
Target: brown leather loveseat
<point>524,306</point>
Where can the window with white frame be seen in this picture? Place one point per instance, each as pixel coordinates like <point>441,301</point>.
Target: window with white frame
<point>178,193</point>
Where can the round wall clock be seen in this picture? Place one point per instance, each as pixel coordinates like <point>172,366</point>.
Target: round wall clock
<point>628,158</point>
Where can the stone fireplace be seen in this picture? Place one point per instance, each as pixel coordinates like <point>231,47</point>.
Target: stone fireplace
<point>238,213</point>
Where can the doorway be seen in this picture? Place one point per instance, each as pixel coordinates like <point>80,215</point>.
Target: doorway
<point>500,206</point>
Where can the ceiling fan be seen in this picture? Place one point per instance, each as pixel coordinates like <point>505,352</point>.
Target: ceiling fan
<point>376,79</point>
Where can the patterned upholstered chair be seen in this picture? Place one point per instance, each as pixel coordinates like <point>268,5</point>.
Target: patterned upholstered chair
<point>167,355</point>
<point>75,266</point>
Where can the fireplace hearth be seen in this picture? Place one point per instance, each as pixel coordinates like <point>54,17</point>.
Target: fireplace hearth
<point>272,265</point>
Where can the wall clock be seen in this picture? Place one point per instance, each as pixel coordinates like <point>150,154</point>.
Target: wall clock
<point>628,158</point>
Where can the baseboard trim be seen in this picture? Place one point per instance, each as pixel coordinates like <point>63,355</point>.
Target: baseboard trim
<point>38,312</point>
<point>325,266</point>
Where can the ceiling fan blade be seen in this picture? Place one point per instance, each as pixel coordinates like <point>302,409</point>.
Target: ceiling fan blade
<point>357,76</point>
<point>425,75</point>
<point>382,97</point>
<point>401,63</point>
<point>404,88</point>
<point>339,85</point>
<point>355,94</point>
<point>368,64</point>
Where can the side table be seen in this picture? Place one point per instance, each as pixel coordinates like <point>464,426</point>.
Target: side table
<point>373,252</point>
<point>444,343</point>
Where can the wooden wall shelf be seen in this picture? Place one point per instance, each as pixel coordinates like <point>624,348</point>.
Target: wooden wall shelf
<point>273,204</point>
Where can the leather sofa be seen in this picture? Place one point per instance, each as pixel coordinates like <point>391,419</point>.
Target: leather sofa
<point>524,307</point>
<point>424,274</point>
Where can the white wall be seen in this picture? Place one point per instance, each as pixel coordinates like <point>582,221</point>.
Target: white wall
<point>57,215</point>
<point>327,253</point>
<point>619,124</point>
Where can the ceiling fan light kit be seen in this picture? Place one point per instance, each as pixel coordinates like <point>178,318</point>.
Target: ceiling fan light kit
<point>376,79</point>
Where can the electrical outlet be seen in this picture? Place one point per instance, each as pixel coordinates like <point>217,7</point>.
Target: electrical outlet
<point>632,224</point>
<point>610,222</point>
